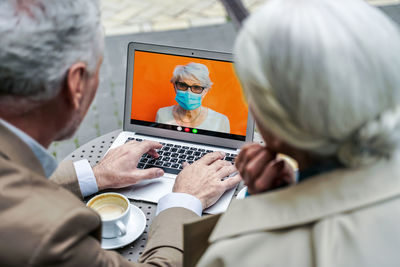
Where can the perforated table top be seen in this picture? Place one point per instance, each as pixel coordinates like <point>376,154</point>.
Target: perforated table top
<point>93,151</point>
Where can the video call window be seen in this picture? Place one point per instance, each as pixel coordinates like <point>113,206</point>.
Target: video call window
<point>188,92</point>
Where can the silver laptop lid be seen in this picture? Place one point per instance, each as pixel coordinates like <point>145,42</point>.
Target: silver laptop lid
<point>150,96</point>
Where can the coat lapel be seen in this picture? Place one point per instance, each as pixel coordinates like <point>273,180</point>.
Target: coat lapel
<point>195,238</point>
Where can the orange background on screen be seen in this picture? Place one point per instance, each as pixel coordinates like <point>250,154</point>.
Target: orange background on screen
<point>153,89</point>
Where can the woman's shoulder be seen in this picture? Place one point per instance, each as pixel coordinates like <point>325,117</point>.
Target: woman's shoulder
<point>164,114</point>
<point>165,109</point>
<point>216,114</point>
<point>212,114</point>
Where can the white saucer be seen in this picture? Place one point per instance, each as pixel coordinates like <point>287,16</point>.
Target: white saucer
<point>242,193</point>
<point>135,227</point>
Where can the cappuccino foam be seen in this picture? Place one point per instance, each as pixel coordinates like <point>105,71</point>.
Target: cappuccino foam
<point>109,211</point>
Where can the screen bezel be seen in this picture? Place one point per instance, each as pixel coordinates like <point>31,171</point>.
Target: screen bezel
<point>174,134</point>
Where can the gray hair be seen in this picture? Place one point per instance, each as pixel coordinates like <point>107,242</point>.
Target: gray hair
<point>323,75</point>
<point>41,39</point>
<point>195,71</point>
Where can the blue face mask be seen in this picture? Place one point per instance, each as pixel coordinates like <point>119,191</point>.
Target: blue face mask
<point>188,100</point>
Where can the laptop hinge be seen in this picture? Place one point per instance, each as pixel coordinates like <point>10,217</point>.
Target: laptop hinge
<point>189,142</point>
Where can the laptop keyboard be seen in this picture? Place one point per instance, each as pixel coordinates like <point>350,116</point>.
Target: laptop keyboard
<point>172,156</point>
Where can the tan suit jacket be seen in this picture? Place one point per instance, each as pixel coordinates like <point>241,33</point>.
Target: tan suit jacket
<point>42,224</point>
<point>341,218</point>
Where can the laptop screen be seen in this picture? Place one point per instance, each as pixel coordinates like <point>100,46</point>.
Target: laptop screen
<point>187,94</point>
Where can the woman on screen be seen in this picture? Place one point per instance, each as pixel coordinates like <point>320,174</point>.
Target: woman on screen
<point>191,84</point>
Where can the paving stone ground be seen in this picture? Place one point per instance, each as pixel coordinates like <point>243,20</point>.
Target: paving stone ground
<point>188,23</point>
<point>134,16</point>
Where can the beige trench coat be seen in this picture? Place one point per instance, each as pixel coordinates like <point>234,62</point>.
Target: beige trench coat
<point>337,219</point>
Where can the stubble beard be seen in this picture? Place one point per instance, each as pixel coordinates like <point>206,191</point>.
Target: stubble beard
<point>70,129</point>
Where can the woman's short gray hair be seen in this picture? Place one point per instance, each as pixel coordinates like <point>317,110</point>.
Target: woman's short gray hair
<point>323,75</point>
<point>41,39</point>
<point>192,70</point>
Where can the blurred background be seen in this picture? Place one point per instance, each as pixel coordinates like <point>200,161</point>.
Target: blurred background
<point>203,24</point>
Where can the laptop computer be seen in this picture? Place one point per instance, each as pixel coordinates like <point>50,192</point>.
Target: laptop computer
<point>150,93</point>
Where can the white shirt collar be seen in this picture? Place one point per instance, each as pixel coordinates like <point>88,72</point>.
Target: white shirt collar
<point>48,162</point>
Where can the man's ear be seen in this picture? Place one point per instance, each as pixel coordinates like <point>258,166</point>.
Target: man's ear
<point>75,84</point>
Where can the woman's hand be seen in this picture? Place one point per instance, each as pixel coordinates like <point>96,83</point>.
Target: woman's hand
<point>261,170</point>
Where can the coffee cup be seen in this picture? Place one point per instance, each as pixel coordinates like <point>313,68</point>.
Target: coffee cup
<point>114,210</point>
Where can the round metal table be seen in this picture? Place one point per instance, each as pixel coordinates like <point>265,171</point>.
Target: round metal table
<point>93,151</point>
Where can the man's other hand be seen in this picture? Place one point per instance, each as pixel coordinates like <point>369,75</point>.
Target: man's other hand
<point>261,170</point>
<point>204,178</point>
<point>118,168</point>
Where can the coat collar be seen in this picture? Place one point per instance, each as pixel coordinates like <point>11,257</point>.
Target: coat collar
<point>15,150</point>
<point>324,195</point>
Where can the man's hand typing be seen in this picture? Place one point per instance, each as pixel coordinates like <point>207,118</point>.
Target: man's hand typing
<point>204,178</point>
<point>118,168</point>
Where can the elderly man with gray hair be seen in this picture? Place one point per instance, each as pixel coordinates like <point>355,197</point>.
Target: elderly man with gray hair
<point>50,56</point>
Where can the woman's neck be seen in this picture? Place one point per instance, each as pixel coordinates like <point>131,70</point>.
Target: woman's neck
<point>189,117</point>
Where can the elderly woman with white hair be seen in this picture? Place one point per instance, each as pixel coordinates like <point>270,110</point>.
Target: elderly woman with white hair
<point>322,80</point>
<point>191,84</point>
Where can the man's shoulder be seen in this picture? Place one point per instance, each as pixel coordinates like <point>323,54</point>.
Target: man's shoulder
<point>32,209</point>
<point>30,190</point>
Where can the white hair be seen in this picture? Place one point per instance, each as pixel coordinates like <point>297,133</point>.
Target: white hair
<point>323,75</point>
<point>195,71</point>
<point>41,39</point>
